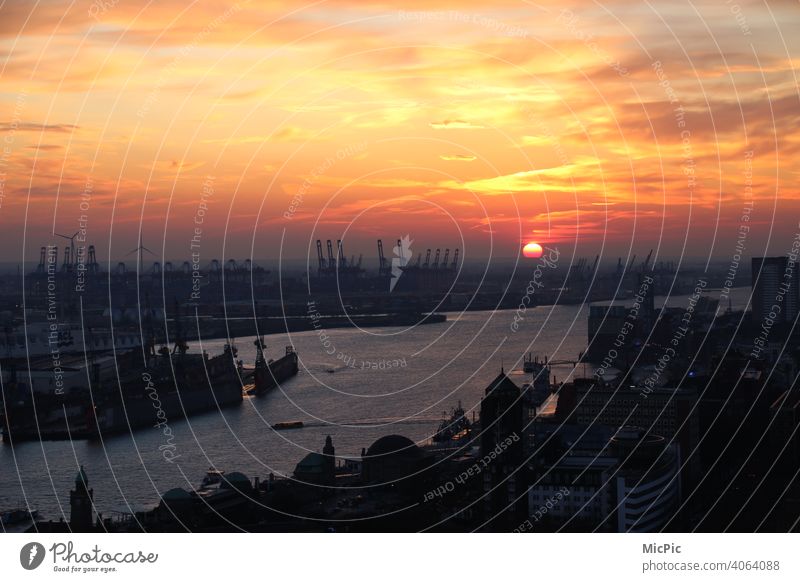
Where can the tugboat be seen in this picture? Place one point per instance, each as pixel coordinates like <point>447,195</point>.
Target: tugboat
<point>454,428</point>
<point>212,479</point>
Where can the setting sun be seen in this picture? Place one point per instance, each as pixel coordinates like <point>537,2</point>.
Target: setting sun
<point>532,250</point>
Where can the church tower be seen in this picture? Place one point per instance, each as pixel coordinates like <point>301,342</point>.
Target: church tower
<point>329,454</point>
<point>81,501</point>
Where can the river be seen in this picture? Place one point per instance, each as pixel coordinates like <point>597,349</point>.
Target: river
<point>354,385</point>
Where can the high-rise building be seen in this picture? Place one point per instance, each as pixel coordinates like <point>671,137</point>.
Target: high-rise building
<point>583,480</point>
<point>502,417</point>
<point>782,435</point>
<point>666,411</point>
<point>648,483</point>
<point>776,288</point>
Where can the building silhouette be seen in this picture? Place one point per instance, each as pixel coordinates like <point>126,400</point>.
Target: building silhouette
<point>502,416</point>
<point>776,288</point>
<point>318,468</point>
<point>81,503</point>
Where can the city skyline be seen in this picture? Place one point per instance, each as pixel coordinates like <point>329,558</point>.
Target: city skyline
<point>378,267</point>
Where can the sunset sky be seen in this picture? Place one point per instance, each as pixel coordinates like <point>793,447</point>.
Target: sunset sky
<point>589,126</point>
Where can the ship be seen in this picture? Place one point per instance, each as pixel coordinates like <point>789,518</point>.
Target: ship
<point>453,428</point>
<point>212,479</point>
<point>288,425</point>
<point>531,363</point>
<point>144,389</point>
<point>270,374</point>
<point>538,390</point>
<point>42,338</point>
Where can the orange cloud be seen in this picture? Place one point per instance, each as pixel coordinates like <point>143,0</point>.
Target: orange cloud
<point>141,99</point>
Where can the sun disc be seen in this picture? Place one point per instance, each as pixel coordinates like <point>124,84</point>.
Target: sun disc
<point>532,250</point>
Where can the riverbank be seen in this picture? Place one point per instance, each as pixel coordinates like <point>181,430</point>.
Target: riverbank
<point>207,328</point>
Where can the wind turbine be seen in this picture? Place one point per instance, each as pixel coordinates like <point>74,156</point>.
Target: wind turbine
<point>139,250</point>
<point>71,240</point>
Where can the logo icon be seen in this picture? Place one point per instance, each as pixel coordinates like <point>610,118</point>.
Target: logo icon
<point>402,256</point>
<point>31,555</point>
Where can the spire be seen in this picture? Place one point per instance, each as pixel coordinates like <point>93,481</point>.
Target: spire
<point>328,449</point>
<point>81,478</point>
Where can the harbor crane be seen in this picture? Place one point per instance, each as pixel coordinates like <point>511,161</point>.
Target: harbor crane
<point>383,266</point>
<point>646,261</point>
<point>331,260</point>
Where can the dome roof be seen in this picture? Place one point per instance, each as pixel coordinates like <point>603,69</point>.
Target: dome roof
<point>81,478</point>
<point>176,494</point>
<point>312,462</point>
<point>393,444</point>
<point>235,480</point>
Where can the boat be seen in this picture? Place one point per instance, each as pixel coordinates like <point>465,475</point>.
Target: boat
<point>270,374</point>
<point>142,392</point>
<point>212,479</point>
<point>288,425</point>
<point>531,364</point>
<point>45,338</point>
<point>538,390</point>
<point>453,428</point>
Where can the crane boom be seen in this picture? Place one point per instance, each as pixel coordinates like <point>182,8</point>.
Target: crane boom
<point>381,258</point>
<point>647,260</point>
<point>331,260</point>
